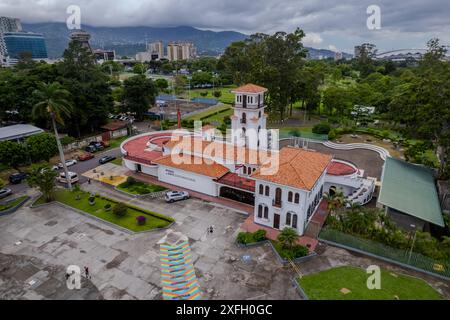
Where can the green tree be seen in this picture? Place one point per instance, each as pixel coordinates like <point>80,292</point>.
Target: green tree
<point>53,103</point>
<point>161,84</point>
<point>43,178</point>
<point>335,201</point>
<point>139,95</point>
<point>90,90</point>
<point>13,154</point>
<point>41,147</point>
<point>179,84</point>
<point>288,238</point>
<point>139,69</point>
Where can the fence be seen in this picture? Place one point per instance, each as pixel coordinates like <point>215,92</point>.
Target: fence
<point>378,250</point>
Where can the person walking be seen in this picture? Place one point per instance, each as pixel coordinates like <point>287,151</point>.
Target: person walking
<point>86,272</point>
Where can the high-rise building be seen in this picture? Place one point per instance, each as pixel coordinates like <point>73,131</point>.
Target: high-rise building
<point>10,25</point>
<point>14,42</point>
<point>81,37</point>
<point>104,55</point>
<point>156,49</point>
<point>17,43</point>
<point>181,51</point>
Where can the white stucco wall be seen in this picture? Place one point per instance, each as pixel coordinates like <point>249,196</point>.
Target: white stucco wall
<point>187,180</point>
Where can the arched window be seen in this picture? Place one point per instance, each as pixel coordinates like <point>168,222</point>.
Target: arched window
<point>294,221</point>
<point>267,191</point>
<point>266,212</point>
<point>261,189</point>
<point>288,219</point>
<point>260,211</point>
<point>290,196</point>
<point>278,194</point>
<point>297,198</point>
<point>244,117</point>
<point>244,170</point>
<point>259,115</point>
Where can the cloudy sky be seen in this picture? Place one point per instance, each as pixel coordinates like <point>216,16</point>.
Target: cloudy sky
<point>332,24</point>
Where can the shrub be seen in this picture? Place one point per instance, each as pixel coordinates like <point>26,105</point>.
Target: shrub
<point>131,180</point>
<point>141,220</point>
<point>204,93</point>
<point>108,207</point>
<point>217,94</point>
<point>332,134</point>
<point>244,237</point>
<point>67,140</point>
<point>259,235</point>
<point>91,200</point>
<point>120,209</point>
<point>321,128</point>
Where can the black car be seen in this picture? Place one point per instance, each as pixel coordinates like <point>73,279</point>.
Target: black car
<point>90,149</point>
<point>17,178</point>
<point>106,159</point>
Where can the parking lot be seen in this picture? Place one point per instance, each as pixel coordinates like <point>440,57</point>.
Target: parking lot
<point>125,266</point>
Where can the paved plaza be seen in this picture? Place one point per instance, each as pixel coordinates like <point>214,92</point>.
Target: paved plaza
<point>125,266</point>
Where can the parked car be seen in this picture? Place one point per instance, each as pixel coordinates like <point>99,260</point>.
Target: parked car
<point>18,177</point>
<point>72,176</point>
<point>97,145</point>
<point>5,192</point>
<point>86,156</point>
<point>106,159</point>
<point>173,196</point>
<point>90,149</point>
<point>69,163</point>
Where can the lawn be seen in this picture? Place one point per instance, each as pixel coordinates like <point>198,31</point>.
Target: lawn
<point>217,111</point>
<point>12,204</point>
<point>115,143</point>
<point>304,132</point>
<point>154,220</point>
<point>139,188</point>
<point>117,161</point>
<point>227,97</point>
<point>327,285</point>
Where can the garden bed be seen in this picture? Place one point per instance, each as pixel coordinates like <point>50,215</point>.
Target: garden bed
<point>350,283</point>
<point>139,188</point>
<point>9,206</point>
<point>80,200</point>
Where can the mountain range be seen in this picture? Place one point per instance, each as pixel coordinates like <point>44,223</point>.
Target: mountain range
<point>127,41</point>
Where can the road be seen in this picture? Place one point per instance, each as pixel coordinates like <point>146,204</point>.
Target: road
<point>80,168</point>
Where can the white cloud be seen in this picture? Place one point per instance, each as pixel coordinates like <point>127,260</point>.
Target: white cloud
<point>332,47</point>
<point>312,39</point>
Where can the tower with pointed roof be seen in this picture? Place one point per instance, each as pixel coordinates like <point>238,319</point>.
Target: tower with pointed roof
<point>249,116</point>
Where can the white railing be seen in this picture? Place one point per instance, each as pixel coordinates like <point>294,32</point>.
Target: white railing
<point>351,146</point>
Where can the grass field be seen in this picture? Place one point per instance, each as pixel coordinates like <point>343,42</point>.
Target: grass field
<point>117,161</point>
<point>11,204</point>
<point>327,285</point>
<point>139,188</point>
<point>154,220</point>
<point>227,97</point>
<point>221,112</point>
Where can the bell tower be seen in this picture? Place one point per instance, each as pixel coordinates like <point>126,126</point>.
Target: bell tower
<point>249,116</point>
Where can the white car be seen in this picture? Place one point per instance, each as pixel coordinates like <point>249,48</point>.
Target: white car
<point>73,177</point>
<point>69,163</point>
<point>173,196</point>
<point>5,192</point>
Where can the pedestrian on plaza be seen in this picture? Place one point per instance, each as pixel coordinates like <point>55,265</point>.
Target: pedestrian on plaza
<point>89,181</point>
<point>86,272</point>
<point>211,229</point>
<point>67,276</point>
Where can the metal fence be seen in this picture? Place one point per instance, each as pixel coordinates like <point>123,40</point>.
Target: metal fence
<point>402,257</point>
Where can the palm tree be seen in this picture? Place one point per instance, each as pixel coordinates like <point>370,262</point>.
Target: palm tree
<point>288,238</point>
<point>53,102</point>
<point>335,201</point>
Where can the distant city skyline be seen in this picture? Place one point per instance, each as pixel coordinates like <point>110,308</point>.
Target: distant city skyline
<point>336,26</point>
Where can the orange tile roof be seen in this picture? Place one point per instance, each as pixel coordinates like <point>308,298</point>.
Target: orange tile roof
<point>196,165</point>
<point>298,168</point>
<point>250,88</point>
<point>216,149</point>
